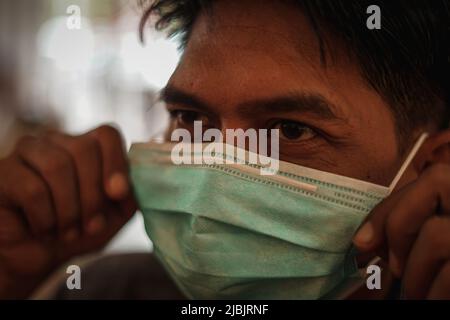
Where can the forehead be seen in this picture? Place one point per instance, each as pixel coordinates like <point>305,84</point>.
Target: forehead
<point>240,50</point>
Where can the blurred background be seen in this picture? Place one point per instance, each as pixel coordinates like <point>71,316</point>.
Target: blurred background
<point>73,65</point>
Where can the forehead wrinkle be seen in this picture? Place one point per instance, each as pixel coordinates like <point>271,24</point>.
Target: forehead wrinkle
<point>295,52</point>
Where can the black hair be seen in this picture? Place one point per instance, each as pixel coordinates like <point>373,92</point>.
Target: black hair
<point>406,61</point>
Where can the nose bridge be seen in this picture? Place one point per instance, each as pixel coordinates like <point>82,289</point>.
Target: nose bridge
<point>242,133</point>
<point>233,122</point>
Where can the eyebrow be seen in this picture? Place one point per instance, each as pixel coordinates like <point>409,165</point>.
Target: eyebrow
<point>304,102</point>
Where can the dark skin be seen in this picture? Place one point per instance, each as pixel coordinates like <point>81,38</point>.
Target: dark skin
<point>61,196</point>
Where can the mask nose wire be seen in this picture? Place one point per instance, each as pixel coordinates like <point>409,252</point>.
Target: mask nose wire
<point>407,162</point>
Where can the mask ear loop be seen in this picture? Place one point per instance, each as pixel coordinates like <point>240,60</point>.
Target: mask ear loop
<point>407,162</point>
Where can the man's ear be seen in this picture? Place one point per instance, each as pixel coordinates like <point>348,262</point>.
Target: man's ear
<point>436,149</point>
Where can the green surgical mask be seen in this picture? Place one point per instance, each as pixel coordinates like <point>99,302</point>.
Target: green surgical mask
<point>227,232</point>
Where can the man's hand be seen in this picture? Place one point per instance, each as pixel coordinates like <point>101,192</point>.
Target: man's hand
<point>411,229</point>
<point>60,196</point>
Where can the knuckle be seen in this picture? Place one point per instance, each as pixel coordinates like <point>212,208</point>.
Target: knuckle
<point>83,145</point>
<point>56,163</point>
<point>108,132</point>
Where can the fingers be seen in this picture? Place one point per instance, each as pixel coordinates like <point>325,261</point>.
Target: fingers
<point>65,184</point>
<point>399,219</point>
<point>115,167</point>
<point>430,251</point>
<point>55,166</point>
<point>115,221</point>
<point>102,171</point>
<point>26,257</point>
<point>422,201</point>
<point>371,235</point>
<point>86,157</point>
<point>24,192</point>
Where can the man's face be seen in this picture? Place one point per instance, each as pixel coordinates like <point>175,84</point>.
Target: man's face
<point>250,65</point>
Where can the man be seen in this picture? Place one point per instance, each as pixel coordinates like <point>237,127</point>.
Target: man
<point>346,99</point>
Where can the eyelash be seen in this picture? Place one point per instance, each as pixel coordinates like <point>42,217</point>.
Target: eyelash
<point>196,116</point>
<point>304,128</point>
<point>174,114</point>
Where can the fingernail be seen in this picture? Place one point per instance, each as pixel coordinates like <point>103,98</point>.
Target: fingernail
<point>96,224</point>
<point>117,186</point>
<point>365,234</point>
<point>394,264</point>
<point>71,235</point>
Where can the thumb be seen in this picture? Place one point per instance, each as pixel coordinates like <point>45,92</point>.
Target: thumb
<point>371,235</point>
<point>117,186</point>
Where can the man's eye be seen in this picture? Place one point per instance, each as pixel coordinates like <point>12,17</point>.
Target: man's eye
<point>185,117</point>
<point>294,131</point>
